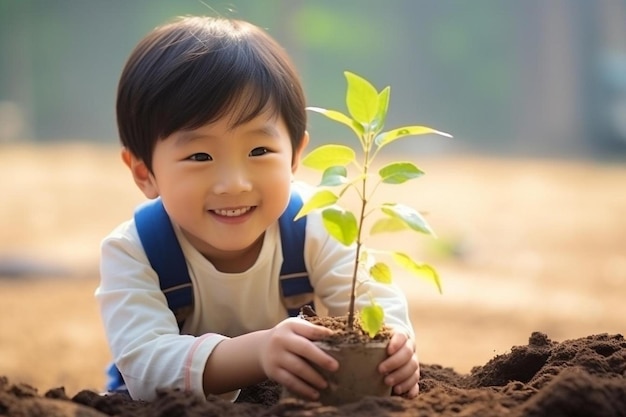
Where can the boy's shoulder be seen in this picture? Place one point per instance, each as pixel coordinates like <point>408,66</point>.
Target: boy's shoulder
<point>304,189</point>
<point>124,238</point>
<point>125,231</point>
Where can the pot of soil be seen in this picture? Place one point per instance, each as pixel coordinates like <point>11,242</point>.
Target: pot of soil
<point>358,355</point>
<point>357,376</point>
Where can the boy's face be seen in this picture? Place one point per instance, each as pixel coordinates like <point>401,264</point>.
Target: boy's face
<point>224,186</point>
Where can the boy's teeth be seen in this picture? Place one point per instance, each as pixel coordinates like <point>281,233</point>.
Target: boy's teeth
<point>233,212</point>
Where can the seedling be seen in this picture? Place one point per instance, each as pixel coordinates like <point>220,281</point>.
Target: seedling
<point>367,109</point>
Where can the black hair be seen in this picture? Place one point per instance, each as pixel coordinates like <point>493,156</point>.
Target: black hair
<point>195,70</point>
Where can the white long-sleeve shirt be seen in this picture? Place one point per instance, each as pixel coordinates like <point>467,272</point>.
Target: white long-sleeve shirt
<point>142,332</point>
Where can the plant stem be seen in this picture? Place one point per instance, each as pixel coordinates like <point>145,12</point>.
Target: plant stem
<point>364,197</point>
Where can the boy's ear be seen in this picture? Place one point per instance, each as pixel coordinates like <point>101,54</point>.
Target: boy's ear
<point>141,174</point>
<point>297,153</point>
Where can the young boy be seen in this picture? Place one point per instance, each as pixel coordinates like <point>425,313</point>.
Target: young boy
<point>211,116</point>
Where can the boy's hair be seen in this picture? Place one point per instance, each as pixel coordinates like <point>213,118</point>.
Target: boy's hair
<point>196,70</point>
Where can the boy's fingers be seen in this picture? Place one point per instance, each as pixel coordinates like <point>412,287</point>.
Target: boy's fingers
<point>406,374</point>
<point>395,361</point>
<point>310,351</point>
<point>410,393</point>
<point>311,331</point>
<point>323,359</point>
<point>398,340</point>
<point>296,386</point>
<point>303,371</point>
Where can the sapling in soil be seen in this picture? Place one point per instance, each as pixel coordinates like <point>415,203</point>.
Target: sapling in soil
<point>361,339</point>
<point>367,113</point>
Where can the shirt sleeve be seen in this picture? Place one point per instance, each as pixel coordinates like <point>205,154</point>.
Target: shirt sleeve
<point>141,329</point>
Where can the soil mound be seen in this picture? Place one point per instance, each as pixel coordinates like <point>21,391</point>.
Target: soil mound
<point>580,377</point>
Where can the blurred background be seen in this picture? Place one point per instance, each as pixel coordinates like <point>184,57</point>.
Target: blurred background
<point>515,77</point>
<point>528,199</point>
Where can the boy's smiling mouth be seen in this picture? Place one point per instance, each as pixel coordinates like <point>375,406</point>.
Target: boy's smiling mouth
<point>233,212</point>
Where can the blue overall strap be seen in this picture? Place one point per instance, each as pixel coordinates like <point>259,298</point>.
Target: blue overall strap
<point>166,256</point>
<point>294,279</point>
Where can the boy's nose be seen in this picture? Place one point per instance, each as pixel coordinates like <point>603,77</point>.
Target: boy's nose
<point>231,179</point>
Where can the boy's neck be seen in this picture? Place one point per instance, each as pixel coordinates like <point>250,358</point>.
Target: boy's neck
<point>239,261</point>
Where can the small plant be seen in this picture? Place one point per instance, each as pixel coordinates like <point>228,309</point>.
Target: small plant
<point>368,111</point>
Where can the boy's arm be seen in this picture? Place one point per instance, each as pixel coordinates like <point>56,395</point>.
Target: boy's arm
<point>283,354</point>
<point>140,328</point>
<point>151,354</point>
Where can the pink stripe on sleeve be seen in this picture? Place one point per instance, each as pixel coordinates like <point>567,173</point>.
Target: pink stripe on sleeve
<point>189,358</point>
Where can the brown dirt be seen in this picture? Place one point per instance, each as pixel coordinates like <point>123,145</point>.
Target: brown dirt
<point>341,333</point>
<point>580,377</point>
<point>524,245</point>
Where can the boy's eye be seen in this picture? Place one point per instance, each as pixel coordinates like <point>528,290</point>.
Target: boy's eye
<point>259,151</point>
<point>200,157</point>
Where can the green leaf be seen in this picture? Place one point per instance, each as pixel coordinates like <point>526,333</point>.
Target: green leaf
<point>421,270</point>
<point>408,215</point>
<point>333,176</point>
<point>399,172</point>
<point>327,156</point>
<point>340,224</point>
<point>320,199</point>
<point>383,106</point>
<point>356,127</point>
<point>388,224</point>
<point>361,99</point>
<point>381,273</point>
<point>372,319</point>
<point>395,134</point>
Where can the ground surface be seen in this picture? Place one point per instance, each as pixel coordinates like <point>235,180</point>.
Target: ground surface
<point>524,245</point>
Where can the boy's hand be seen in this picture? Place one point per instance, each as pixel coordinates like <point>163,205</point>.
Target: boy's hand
<point>285,352</point>
<point>401,368</point>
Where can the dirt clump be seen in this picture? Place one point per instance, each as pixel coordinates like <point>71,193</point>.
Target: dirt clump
<point>578,377</point>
